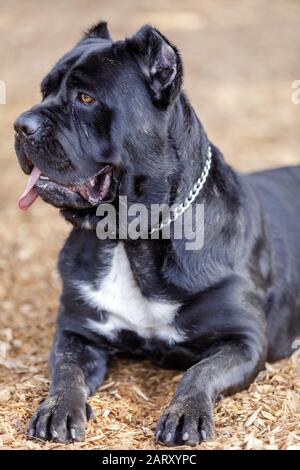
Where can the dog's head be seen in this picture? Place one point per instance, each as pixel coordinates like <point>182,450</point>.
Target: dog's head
<point>101,128</point>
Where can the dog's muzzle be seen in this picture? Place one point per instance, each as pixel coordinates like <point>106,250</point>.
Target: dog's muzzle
<point>79,195</point>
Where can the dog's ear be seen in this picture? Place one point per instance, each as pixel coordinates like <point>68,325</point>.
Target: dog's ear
<point>159,62</point>
<point>99,30</point>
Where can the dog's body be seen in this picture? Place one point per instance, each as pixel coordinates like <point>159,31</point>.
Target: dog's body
<point>130,304</point>
<point>219,312</point>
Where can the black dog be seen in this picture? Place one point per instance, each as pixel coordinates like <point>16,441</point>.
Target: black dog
<point>114,121</point>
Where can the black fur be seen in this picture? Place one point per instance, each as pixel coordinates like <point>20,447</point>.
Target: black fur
<point>239,294</point>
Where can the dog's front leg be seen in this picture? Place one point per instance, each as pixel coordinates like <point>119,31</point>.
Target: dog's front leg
<point>77,370</point>
<point>189,418</point>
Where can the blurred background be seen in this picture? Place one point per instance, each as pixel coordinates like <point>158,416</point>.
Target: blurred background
<point>240,58</point>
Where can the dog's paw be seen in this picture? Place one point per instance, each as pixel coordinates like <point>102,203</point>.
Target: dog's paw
<point>61,419</point>
<point>187,421</point>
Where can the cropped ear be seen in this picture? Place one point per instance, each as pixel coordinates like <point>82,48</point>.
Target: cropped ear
<point>160,63</point>
<point>99,30</point>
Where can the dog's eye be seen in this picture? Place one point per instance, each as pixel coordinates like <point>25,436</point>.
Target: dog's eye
<point>86,99</point>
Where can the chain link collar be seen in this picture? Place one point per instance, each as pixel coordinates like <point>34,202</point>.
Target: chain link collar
<point>193,194</point>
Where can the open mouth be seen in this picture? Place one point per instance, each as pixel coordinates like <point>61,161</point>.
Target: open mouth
<point>83,195</point>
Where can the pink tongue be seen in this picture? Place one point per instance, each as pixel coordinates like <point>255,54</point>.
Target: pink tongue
<point>30,193</point>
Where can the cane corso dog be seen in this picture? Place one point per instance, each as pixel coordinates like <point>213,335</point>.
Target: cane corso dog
<point>113,121</point>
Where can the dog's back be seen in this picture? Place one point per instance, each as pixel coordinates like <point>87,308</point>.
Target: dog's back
<point>278,191</point>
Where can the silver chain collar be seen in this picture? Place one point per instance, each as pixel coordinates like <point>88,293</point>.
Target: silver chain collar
<point>193,194</point>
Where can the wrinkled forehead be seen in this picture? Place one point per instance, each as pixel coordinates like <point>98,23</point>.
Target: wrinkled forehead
<point>88,65</point>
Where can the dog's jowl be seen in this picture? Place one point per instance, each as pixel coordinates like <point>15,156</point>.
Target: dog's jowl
<point>113,121</point>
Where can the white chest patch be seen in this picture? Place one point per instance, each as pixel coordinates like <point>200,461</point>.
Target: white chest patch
<point>120,296</point>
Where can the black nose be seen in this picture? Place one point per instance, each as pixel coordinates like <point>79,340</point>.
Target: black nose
<point>27,123</point>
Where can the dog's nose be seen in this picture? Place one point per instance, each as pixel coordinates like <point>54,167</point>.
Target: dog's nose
<point>27,123</point>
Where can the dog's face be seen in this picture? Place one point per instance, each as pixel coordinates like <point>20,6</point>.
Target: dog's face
<point>101,127</point>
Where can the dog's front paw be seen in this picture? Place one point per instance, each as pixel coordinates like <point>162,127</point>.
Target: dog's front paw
<point>187,421</point>
<point>61,418</point>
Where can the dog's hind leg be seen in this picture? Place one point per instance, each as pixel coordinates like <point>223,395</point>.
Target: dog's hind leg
<point>78,369</point>
<point>188,419</point>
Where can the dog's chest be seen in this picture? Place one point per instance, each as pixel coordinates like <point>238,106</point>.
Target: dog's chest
<point>119,295</point>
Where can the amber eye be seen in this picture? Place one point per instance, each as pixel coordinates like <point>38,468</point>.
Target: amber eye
<point>86,99</point>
